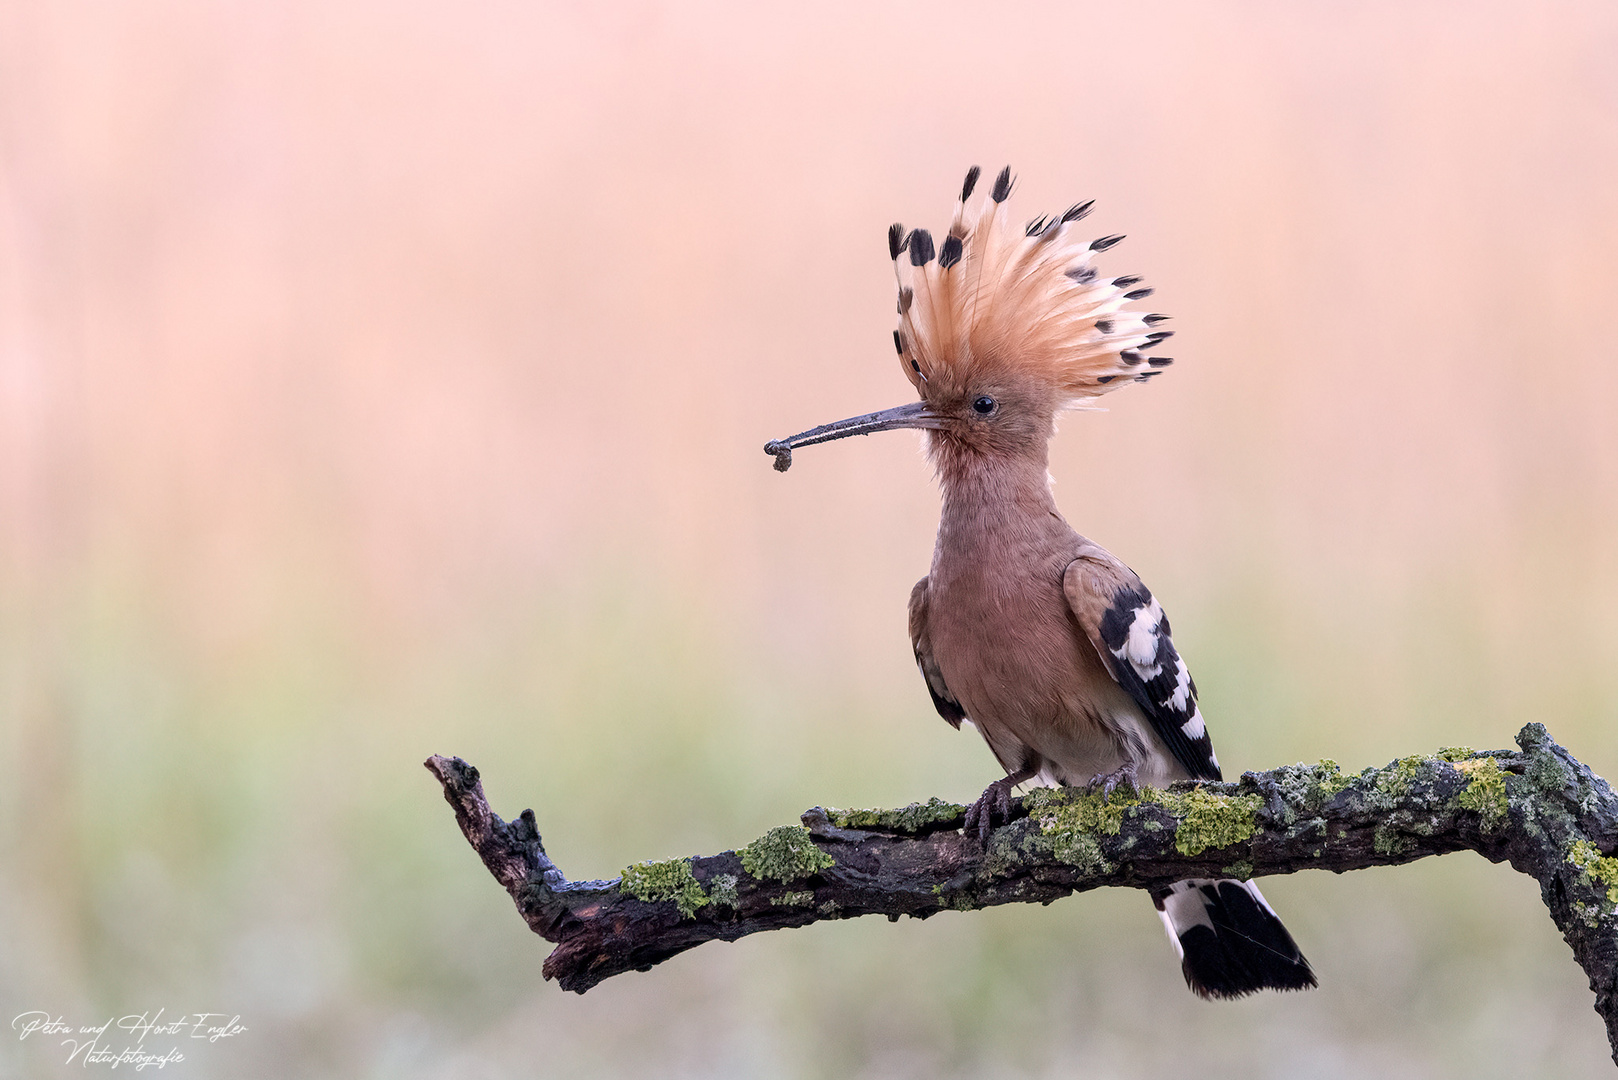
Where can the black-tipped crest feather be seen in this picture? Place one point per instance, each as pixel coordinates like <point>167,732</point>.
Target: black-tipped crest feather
<point>972,175</point>
<point>921,247</point>
<point>1002,186</point>
<point>1078,211</point>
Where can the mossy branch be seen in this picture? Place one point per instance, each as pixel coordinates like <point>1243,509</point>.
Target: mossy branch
<point>1537,808</point>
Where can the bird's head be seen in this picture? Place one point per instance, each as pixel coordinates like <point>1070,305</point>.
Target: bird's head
<point>1000,328</point>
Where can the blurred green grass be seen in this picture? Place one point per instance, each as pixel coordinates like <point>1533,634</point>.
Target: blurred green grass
<point>272,843</point>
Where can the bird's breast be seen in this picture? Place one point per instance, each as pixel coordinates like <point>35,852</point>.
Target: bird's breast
<point>1012,653</point>
<point>1004,638</point>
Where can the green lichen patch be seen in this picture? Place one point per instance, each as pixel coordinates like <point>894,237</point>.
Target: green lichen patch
<point>1241,871</point>
<point>786,853</point>
<point>794,899</point>
<point>1485,791</point>
<point>1075,820</point>
<point>1304,789</point>
<point>1328,780</point>
<point>1390,842</point>
<point>1396,779</point>
<point>1081,850</point>
<point>907,819</point>
<point>1072,821</point>
<point>655,882</point>
<point>1064,808</point>
<point>1208,820</point>
<point>1545,770</point>
<point>1588,914</point>
<point>722,890</point>
<point>1009,849</point>
<point>1595,867</point>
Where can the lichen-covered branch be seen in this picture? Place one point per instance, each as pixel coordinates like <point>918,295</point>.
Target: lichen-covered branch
<point>1537,808</point>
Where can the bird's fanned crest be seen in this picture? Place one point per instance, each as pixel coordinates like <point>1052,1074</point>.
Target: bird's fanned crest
<point>998,297</point>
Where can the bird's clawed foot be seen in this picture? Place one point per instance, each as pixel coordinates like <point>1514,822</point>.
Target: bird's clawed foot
<point>995,802</point>
<point>1107,783</point>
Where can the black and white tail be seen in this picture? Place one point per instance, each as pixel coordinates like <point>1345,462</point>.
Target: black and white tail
<point>1230,941</point>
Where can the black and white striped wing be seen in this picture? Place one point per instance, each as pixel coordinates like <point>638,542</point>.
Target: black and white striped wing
<point>1131,633</point>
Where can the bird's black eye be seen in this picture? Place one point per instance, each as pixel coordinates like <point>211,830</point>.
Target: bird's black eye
<point>984,405</point>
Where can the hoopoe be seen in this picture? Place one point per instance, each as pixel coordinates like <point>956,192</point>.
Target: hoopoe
<point>1041,639</point>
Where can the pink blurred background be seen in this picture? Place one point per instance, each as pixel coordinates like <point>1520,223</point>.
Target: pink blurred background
<point>379,380</point>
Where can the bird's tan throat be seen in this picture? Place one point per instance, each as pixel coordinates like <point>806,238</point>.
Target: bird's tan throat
<point>994,508</point>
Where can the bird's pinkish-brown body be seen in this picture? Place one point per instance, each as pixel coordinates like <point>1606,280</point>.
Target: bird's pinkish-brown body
<point>1049,645</point>
<point>993,615</point>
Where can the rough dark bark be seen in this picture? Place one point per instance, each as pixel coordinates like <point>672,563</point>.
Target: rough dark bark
<point>1537,808</point>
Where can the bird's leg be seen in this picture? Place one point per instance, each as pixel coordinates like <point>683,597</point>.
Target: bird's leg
<point>995,802</point>
<point>1107,782</point>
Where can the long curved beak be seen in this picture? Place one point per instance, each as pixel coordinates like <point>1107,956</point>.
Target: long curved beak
<point>914,415</point>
